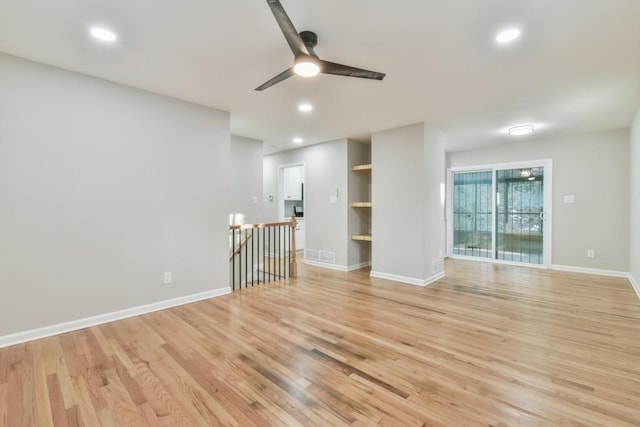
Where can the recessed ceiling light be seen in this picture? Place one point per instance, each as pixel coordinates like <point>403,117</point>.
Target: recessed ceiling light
<point>305,107</point>
<point>103,34</point>
<point>507,36</point>
<point>520,130</point>
<point>297,140</point>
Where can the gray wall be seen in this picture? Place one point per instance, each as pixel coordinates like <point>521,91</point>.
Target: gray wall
<point>326,170</point>
<point>434,171</point>
<point>408,222</point>
<point>634,229</point>
<point>595,169</point>
<point>246,178</point>
<point>102,189</point>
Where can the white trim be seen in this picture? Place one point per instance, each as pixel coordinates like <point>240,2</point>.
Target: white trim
<point>280,188</point>
<point>74,325</point>
<point>498,261</point>
<point>595,271</point>
<point>326,265</point>
<point>636,286</point>
<point>507,165</point>
<point>408,280</point>
<point>354,267</point>
<point>343,268</point>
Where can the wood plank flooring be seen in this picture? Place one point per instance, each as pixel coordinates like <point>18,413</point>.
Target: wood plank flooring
<point>488,345</point>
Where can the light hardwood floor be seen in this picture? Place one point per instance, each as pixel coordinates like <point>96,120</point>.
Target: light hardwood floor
<point>487,345</point>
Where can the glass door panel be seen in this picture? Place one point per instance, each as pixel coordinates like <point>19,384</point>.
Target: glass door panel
<point>472,214</point>
<point>520,214</point>
<point>498,212</point>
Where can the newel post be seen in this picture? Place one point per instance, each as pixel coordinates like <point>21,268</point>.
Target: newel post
<point>293,267</point>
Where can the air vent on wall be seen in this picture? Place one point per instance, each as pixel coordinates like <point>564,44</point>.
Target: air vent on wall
<point>320,256</point>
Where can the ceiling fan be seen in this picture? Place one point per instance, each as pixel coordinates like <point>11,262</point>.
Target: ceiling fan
<point>306,62</point>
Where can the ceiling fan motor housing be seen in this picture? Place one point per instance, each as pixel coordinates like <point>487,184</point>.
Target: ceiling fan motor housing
<point>309,38</point>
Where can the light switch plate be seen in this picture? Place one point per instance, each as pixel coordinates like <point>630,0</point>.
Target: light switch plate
<point>569,199</point>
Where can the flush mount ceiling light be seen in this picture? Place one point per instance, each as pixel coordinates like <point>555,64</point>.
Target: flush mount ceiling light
<point>507,36</point>
<point>520,130</point>
<point>103,34</point>
<point>306,66</point>
<point>305,107</point>
<point>297,140</point>
<point>525,173</point>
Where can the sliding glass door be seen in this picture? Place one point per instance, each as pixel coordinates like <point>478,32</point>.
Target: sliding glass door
<point>499,212</point>
<point>519,215</point>
<point>472,214</point>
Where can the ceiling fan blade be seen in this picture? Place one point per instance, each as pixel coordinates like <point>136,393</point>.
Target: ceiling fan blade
<point>277,79</point>
<point>327,67</point>
<point>286,26</point>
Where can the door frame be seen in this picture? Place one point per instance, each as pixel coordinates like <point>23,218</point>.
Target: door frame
<point>547,228</point>
<point>280,192</point>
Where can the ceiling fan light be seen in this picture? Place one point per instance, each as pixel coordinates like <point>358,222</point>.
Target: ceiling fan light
<point>306,66</point>
<point>520,130</point>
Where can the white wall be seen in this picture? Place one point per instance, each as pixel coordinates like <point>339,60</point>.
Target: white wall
<point>434,214</point>
<point>634,229</point>
<point>102,189</point>
<point>408,222</point>
<point>595,169</point>
<point>246,178</point>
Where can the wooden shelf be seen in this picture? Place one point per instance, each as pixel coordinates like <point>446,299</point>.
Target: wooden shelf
<point>361,167</point>
<point>361,237</point>
<point>361,204</point>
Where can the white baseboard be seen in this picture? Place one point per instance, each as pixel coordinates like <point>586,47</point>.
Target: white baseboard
<point>408,280</point>
<point>337,267</point>
<point>595,271</point>
<point>359,266</point>
<point>74,325</point>
<point>636,286</point>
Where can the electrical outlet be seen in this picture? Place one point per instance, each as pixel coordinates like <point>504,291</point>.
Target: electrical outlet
<point>167,278</point>
<point>591,253</point>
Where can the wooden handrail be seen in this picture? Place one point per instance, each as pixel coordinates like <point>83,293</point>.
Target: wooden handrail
<point>240,246</point>
<point>260,225</point>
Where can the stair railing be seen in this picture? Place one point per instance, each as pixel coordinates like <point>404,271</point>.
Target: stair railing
<point>261,253</point>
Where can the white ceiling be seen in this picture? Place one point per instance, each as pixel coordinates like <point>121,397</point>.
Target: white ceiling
<point>576,67</point>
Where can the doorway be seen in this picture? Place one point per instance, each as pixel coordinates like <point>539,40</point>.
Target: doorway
<point>291,191</point>
<point>501,212</point>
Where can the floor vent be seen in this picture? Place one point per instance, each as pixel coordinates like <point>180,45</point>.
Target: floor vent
<point>437,266</point>
<point>321,256</point>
